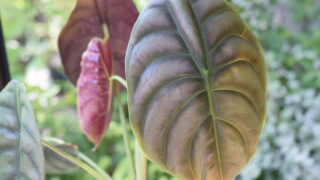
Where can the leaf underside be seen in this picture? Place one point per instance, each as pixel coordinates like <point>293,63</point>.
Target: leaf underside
<point>21,156</point>
<point>197,88</point>
<point>95,90</point>
<point>56,164</point>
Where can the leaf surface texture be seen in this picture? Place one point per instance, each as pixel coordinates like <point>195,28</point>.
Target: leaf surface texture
<point>197,88</point>
<point>21,155</point>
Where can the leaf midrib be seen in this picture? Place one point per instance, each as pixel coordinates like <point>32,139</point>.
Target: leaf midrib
<point>206,75</point>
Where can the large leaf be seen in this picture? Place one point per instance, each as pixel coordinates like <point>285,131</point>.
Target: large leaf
<point>197,88</point>
<point>95,90</point>
<point>86,22</point>
<point>21,156</point>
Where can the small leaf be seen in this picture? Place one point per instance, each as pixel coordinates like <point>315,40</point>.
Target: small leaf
<point>21,156</point>
<point>86,22</point>
<point>95,90</point>
<point>56,164</point>
<point>197,88</point>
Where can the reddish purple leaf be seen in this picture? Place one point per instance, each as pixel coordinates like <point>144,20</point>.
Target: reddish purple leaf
<point>86,22</point>
<point>94,90</point>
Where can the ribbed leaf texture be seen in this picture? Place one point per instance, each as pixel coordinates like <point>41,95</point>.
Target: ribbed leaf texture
<point>95,90</point>
<point>21,156</point>
<point>197,88</point>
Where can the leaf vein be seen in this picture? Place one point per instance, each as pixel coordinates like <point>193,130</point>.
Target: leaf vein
<point>152,97</point>
<point>240,132</point>
<point>159,31</point>
<point>215,13</point>
<point>174,118</point>
<point>243,95</point>
<point>207,80</point>
<point>191,148</point>
<point>33,162</point>
<point>195,59</point>
<point>160,57</point>
<point>232,62</point>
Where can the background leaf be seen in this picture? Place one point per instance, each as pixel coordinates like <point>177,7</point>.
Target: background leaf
<point>21,156</point>
<point>197,88</point>
<point>86,22</point>
<point>56,164</point>
<point>95,90</point>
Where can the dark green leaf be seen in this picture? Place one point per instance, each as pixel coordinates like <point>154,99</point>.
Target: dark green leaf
<point>21,156</point>
<point>197,88</point>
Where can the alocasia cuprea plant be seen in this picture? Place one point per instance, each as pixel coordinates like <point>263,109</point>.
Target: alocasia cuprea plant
<point>197,88</point>
<point>196,84</point>
<point>111,20</point>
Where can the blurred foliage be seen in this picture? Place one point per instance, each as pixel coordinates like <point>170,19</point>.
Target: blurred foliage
<point>290,34</point>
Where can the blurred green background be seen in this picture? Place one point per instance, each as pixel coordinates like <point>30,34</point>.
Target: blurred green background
<point>290,33</point>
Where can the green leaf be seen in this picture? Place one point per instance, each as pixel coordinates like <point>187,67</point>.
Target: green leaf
<point>21,156</point>
<point>197,88</point>
<point>56,164</point>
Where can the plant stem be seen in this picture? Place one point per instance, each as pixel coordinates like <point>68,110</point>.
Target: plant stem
<point>141,163</point>
<point>76,161</point>
<point>125,134</point>
<point>119,79</point>
<point>82,156</point>
<point>94,165</point>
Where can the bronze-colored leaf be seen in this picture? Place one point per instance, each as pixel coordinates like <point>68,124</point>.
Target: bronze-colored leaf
<point>86,22</point>
<point>197,88</point>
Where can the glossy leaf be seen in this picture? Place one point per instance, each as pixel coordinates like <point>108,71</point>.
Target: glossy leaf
<point>197,88</point>
<point>56,164</point>
<point>86,22</point>
<point>95,90</point>
<point>21,156</point>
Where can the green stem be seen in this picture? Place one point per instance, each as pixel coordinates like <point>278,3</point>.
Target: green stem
<point>53,140</point>
<point>141,163</point>
<point>125,134</point>
<point>76,161</point>
<point>94,165</point>
<point>119,79</point>
<point>82,156</point>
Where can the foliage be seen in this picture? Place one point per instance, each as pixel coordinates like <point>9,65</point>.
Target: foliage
<point>96,19</point>
<point>99,59</point>
<point>290,34</point>
<point>289,31</point>
<point>55,164</point>
<point>95,89</point>
<point>21,155</point>
<point>197,88</point>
